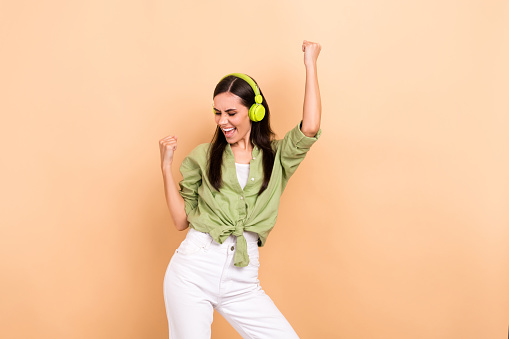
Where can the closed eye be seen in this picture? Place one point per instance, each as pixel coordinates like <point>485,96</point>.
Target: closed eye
<point>230,114</point>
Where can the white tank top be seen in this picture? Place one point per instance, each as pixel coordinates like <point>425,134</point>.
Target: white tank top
<point>242,174</point>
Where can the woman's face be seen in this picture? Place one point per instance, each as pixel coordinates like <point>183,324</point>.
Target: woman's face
<point>232,117</point>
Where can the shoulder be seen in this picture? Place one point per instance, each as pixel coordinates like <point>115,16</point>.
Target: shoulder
<point>200,150</point>
<point>197,156</point>
<point>275,144</point>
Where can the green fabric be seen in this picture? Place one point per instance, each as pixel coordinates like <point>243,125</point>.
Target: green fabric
<point>233,210</point>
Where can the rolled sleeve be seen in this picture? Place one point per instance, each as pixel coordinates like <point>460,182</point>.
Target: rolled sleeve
<point>300,140</point>
<point>191,174</point>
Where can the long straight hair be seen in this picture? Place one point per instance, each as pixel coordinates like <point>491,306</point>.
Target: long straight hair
<point>261,134</point>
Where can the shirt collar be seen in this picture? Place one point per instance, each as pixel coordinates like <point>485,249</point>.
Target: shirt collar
<point>229,152</point>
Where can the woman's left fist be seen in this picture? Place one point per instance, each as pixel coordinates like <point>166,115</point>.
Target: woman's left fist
<point>311,51</point>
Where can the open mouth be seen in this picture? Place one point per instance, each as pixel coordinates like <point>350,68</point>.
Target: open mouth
<point>228,132</point>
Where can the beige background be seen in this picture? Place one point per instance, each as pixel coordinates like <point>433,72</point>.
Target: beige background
<point>395,225</point>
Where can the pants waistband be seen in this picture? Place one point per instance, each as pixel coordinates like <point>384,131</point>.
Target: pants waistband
<point>205,238</point>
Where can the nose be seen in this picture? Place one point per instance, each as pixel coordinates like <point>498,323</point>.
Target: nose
<point>223,120</point>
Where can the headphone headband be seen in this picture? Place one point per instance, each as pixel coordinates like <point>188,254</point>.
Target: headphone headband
<point>246,78</point>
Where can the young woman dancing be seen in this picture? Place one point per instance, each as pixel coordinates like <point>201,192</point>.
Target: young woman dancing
<point>228,200</point>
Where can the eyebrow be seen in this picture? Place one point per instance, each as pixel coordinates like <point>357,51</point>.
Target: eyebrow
<point>228,110</point>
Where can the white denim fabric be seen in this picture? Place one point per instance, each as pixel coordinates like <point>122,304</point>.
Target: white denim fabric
<point>201,277</point>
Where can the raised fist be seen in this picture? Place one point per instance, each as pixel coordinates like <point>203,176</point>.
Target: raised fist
<point>167,146</point>
<point>311,51</point>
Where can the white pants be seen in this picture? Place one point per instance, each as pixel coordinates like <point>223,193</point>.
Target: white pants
<point>201,277</point>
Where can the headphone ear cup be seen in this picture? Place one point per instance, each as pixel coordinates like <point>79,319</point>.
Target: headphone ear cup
<point>256,112</point>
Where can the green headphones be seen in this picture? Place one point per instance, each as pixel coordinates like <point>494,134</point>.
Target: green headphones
<point>256,111</point>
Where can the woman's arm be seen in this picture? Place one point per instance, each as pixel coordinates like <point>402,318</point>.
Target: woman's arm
<point>312,103</point>
<point>174,200</point>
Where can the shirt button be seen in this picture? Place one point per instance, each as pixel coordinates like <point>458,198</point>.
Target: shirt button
<point>254,158</point>
<point>241,198</point>
<point>252,179</point>
<point>232,248</point>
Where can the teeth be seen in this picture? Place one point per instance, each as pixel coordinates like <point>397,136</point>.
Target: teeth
<point>227,130</point>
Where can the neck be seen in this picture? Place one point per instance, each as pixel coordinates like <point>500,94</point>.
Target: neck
<point>244,143</point>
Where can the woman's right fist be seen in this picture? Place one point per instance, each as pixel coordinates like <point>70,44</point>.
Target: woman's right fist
<point>167,146</point>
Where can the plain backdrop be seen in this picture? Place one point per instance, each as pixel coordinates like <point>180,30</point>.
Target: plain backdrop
<point>396,225</point>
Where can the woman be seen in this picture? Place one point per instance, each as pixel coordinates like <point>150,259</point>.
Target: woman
<point>229,197</point>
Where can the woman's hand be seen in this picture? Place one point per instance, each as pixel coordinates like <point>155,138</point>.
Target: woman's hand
<point>311,51</point>
<point>167,146</point>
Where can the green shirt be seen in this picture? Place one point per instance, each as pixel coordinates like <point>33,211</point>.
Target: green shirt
<point>233,209</point>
